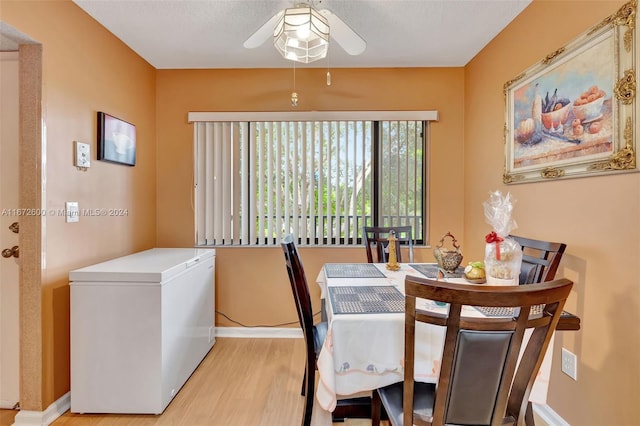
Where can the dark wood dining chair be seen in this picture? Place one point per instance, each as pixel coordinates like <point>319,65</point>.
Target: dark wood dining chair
<point>480,355</point>
<point>540,259</point>
<point>376,240</point>
<point>314,334</point>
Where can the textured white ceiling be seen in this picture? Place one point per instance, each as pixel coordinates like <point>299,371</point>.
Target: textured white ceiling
<point>182,34</point>
<point>11,39</point>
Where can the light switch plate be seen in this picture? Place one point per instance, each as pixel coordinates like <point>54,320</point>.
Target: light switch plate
<point>83,154</point>
<point>72,212</point>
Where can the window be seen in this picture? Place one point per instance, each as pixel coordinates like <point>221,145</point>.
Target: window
<point>322,180</point>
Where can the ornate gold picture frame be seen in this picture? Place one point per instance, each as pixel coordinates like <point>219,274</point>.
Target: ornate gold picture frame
<point>573,113</point>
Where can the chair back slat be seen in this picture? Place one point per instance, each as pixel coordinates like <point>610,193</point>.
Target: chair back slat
<point>540,259</point>
<point>376,240</point>
<point>480,355</point>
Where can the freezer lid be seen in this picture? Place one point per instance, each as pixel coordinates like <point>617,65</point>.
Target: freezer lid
<point>151,266</point>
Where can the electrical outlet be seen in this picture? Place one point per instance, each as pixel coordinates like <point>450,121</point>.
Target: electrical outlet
<point>83,155</point>
<point>569,364</point>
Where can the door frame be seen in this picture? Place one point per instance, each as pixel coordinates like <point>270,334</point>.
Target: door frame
<point>9,297</point>
<point>31,236</point>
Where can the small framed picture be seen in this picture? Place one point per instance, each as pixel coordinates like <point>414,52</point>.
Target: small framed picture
<point>116,140</point>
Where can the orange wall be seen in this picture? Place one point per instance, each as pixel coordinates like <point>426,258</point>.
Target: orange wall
<point>597,217</point>
<point>85,70</point>
<point>251,284</point>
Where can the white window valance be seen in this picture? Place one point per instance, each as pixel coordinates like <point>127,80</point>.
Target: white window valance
<point>313,116</point>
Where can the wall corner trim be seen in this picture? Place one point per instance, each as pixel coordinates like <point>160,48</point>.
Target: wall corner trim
<point>549,416</point>
<point>46,417</point>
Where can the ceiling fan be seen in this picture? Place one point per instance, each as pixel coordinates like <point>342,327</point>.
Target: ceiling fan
<point>346,37</point>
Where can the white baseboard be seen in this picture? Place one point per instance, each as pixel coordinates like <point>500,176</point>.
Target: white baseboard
<point>7,405</point>
<point>259,332</point>
<point>46,417</point>
<point>549,416</point>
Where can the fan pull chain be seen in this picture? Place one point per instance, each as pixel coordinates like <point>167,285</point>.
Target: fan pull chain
<point>328,72</point>
<point>294,95</point>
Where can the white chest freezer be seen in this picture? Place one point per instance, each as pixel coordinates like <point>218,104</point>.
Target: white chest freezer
<point>140,325</point>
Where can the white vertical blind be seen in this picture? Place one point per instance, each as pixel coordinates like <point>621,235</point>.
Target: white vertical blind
<point>295,198</point>
<point>218,155</point>
<point>278,193</point>
<point>259,190</point>
<point>402,171</point>
<point>234,171</point>
<point>255,182</point>
<point>268,178</point>
<point>320,228</point>
<point>305,181</point>
<point>249,233</point>
<point>313,188</point>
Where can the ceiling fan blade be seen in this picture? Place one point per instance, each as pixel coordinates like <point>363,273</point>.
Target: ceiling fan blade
<point>351,42</point>
<point>264,33</point>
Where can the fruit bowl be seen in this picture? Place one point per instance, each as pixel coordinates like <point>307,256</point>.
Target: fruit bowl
<point>552,120</point>
<point>589,111</point>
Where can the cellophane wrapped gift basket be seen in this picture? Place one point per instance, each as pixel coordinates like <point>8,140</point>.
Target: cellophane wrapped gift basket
<point>502,255</point>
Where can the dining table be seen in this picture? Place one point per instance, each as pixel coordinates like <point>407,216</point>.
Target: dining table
<point>364,347</point>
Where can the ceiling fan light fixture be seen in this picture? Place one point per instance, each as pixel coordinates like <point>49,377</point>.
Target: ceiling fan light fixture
<point>302,34</point>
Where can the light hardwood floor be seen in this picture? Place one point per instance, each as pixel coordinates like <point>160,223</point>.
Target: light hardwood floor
<point>241,382</point>
<point>6,417</point>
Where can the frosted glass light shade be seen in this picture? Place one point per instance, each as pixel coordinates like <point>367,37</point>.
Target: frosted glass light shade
<point>302,34</point>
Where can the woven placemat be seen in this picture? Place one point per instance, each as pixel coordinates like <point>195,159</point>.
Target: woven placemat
<point>366,300</point>
<point>430,270</point>
<point>352,270</point>
<point>495,311</point>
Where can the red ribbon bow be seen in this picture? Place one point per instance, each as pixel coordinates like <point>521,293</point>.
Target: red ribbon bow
<point>492,237</point>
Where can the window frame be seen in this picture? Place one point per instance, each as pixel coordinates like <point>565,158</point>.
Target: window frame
<point>373,116</point>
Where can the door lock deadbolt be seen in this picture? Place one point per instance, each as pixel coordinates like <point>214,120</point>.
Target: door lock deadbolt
<point>12,252</point>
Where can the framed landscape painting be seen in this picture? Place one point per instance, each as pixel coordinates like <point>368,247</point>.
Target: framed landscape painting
<point>573,113</point>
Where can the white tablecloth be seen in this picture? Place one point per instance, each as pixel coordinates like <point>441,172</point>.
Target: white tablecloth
<point>363,352</point>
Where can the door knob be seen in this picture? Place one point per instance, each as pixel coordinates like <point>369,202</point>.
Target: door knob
<point>12,252</point>
<point>14,227</point>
